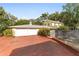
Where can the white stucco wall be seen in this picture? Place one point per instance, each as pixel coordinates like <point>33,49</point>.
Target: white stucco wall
<point>52,33</point>
<point>24,32</point>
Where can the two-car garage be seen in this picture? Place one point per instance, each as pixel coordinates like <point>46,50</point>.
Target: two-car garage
<point>25,30</point>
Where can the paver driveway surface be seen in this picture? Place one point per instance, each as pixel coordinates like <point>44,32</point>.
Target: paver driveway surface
<point>33,46</point>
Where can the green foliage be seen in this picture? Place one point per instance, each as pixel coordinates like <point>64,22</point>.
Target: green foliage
<point>71,17</point>
<point>8,32</point>
<point>12,18</point>
<point>68,20</point>
<point>37,23</point>
<point>22,22</point>
<point>54,16</point>
<point>44,32</point>
<point>5,20</point>
<point>63,28</point>
<point>43,16</point>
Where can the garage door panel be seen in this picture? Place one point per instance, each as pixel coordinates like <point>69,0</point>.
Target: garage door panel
<point>25,32</point>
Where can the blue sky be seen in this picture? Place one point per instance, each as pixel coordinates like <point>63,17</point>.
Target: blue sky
<point>31,10</point>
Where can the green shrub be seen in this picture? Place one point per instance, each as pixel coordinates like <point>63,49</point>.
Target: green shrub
<point>44,32</point>
<point>0,34</point>
<point>8,32</point>
<point>63,28</point>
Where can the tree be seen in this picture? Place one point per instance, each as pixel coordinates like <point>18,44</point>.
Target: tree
<point>22,22</point>
<point>12,18</point>
<point>65,17</point>
<point>5,22</point>
<point>2,18</point>
<point>41,19</point>
<point>2,14</point>
<point>54,16</point>
<point>72,15</point>
<point>43,16</point>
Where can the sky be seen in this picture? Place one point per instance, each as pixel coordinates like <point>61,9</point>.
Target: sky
<point>31,10</point>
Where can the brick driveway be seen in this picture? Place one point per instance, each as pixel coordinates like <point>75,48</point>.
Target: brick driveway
<point>32,45</point>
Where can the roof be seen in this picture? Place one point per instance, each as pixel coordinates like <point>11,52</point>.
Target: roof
<point>53,21</point>
<point>29,26</point>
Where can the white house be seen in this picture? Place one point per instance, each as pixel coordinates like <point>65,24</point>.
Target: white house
<point>54,24</point>
<point>25,30</point>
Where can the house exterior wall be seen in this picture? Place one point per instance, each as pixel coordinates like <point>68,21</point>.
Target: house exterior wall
<point>24,32</point>
<point>52,33</point>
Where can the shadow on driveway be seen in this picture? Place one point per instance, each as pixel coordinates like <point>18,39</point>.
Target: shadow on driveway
<point>43,49</point>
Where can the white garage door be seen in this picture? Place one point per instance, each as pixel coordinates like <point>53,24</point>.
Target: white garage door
<point>25,32</point>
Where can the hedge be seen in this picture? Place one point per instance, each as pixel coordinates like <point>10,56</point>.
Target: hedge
<point>8,32</point>
<point>44,32</point>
